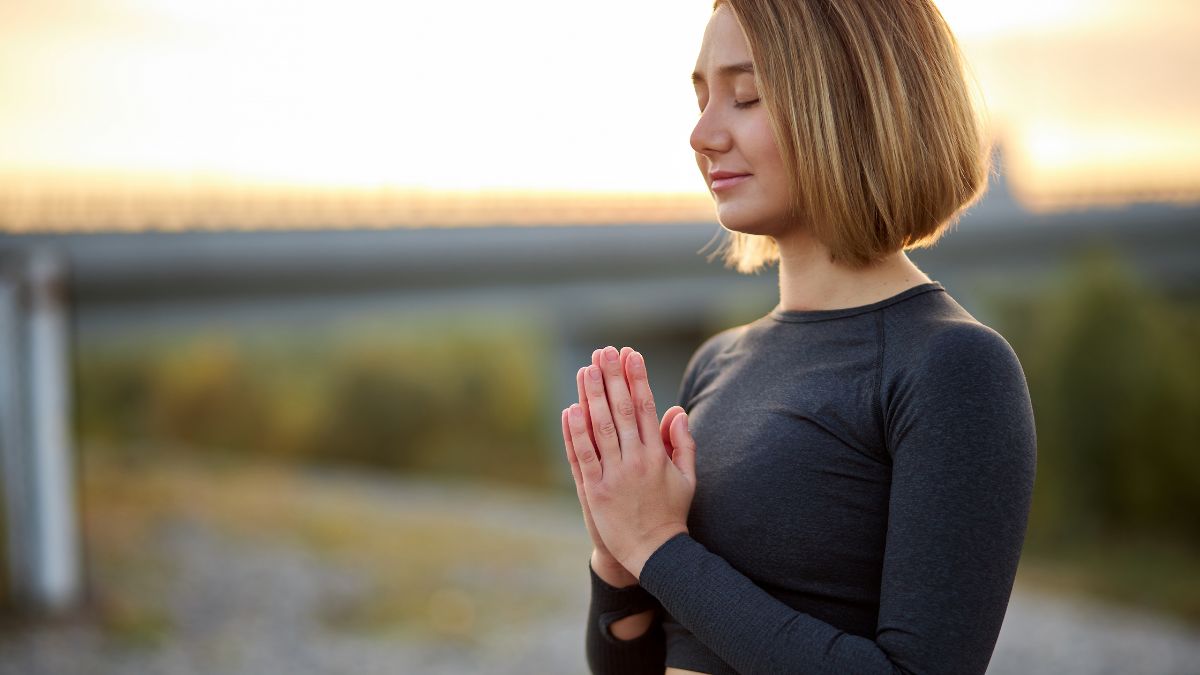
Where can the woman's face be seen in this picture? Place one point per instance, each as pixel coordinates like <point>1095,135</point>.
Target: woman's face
<point>734,134</point>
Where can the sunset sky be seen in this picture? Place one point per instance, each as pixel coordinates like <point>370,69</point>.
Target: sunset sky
<point>543,95</point>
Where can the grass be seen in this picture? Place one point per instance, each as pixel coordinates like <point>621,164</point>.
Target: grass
<point>431,575</point>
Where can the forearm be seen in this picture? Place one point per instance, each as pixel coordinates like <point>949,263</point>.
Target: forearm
<point>634,625</point>
<point>622,634</point>
<point>744,625</point>
<point>940,611</point>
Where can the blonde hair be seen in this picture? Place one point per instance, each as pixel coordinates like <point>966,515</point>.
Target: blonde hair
<point>877,126</point>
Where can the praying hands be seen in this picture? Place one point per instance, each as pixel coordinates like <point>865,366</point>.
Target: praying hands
<point>635,476</point>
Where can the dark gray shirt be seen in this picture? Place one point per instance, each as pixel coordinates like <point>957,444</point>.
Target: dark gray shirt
<point>864,478</point>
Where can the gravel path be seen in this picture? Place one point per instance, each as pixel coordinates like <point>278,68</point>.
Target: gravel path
<point>236,606</point>
<point>1044,634</point>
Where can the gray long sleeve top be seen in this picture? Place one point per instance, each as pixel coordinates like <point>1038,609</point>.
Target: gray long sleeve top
<point>864,477</point>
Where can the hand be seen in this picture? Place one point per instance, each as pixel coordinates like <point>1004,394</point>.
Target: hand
<point>637,495</point>
<point>603,562</point>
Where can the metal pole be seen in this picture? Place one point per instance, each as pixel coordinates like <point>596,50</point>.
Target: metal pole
<point>39,485</point>
<point>56,585</point>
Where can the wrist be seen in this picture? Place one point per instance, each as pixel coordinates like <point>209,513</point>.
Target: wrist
<point>637,560</point>
<point>611,572</point>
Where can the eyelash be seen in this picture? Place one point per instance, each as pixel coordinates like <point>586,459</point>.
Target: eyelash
<point>739,104</point>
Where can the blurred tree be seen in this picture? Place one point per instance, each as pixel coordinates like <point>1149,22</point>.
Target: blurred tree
<point>411,396</point>
<point>1115,381</point>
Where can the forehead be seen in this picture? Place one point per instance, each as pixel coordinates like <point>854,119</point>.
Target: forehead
<point>723,42</point>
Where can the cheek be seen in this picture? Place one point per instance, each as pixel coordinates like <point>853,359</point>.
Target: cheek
<point>762,144</point>
<point>768,162</point>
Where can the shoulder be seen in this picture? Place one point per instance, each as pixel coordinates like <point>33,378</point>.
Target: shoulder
<point>946,359</point>
<point>964,345</point>
<point>960,395</point>
<point>935,337</point>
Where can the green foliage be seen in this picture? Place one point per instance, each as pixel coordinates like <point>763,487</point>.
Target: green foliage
<point>1114,377</point>
<point>420,395</point>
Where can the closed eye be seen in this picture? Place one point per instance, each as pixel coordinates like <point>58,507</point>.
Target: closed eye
<point>738,104</point>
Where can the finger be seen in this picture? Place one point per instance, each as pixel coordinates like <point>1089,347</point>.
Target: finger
<point>625,352</point>
<point>665,428</point>
<point>623,358</point>
<point>584,404</point>
<point>620,402</point>
<point>645,411</point>
<point>685,447</point>
<point>589,462</point>
<point>571,459</point>
<point>607,440</point>
<point>576,472</point>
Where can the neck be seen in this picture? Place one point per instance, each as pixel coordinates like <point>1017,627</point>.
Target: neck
<point>809,281</point>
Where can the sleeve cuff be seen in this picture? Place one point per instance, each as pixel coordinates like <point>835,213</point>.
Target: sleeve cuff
<point>643,655</point>
<point>608,598</point>
<point>660,562</point>
<point>610,604</point>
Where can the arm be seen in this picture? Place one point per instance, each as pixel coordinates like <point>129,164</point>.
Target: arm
<point>634,625</point>
<point>644,652</point>
<point>960,432</point>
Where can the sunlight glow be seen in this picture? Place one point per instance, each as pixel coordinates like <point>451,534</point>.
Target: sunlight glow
<point>360,93</point>
<point>971,19</point>
<point>526,95</point>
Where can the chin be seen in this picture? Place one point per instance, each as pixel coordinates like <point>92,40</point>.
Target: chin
<point>749,220</point>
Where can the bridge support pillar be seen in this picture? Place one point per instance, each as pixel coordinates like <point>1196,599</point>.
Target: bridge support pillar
<point>37,475</point>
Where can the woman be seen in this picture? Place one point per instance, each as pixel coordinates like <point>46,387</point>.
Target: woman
<point>845,484</point>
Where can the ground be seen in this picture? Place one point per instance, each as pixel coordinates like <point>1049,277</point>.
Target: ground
<point>210,569</point>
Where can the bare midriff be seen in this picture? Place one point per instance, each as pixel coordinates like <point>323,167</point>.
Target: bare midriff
<point>681,671</point>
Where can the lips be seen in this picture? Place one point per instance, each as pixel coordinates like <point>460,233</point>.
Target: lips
<point>727,179</point>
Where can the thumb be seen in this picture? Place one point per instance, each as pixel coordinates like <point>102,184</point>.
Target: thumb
<point>684,456</point>
<point>665,428</point>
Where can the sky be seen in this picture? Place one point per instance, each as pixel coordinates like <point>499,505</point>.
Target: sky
<point>1090,96</point>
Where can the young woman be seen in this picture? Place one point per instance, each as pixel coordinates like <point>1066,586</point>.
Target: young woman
<point>845,484</point>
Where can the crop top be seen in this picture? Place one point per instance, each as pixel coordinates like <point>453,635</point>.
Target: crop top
<point>863,484</point>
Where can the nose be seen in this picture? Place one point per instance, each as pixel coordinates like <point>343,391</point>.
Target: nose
<point>710,135</point>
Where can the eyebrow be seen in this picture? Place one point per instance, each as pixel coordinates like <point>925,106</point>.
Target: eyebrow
<point>725,71</point>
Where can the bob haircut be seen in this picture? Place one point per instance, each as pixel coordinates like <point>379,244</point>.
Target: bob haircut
<point>877,127</point>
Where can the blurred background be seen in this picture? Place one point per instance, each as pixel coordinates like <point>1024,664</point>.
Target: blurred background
<point>292,294</point>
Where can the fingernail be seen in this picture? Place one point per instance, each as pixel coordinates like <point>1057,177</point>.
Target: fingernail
<point>575,413</point>
<point>594,373</point>
<point>611,353</point>
<point>635,362</point>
